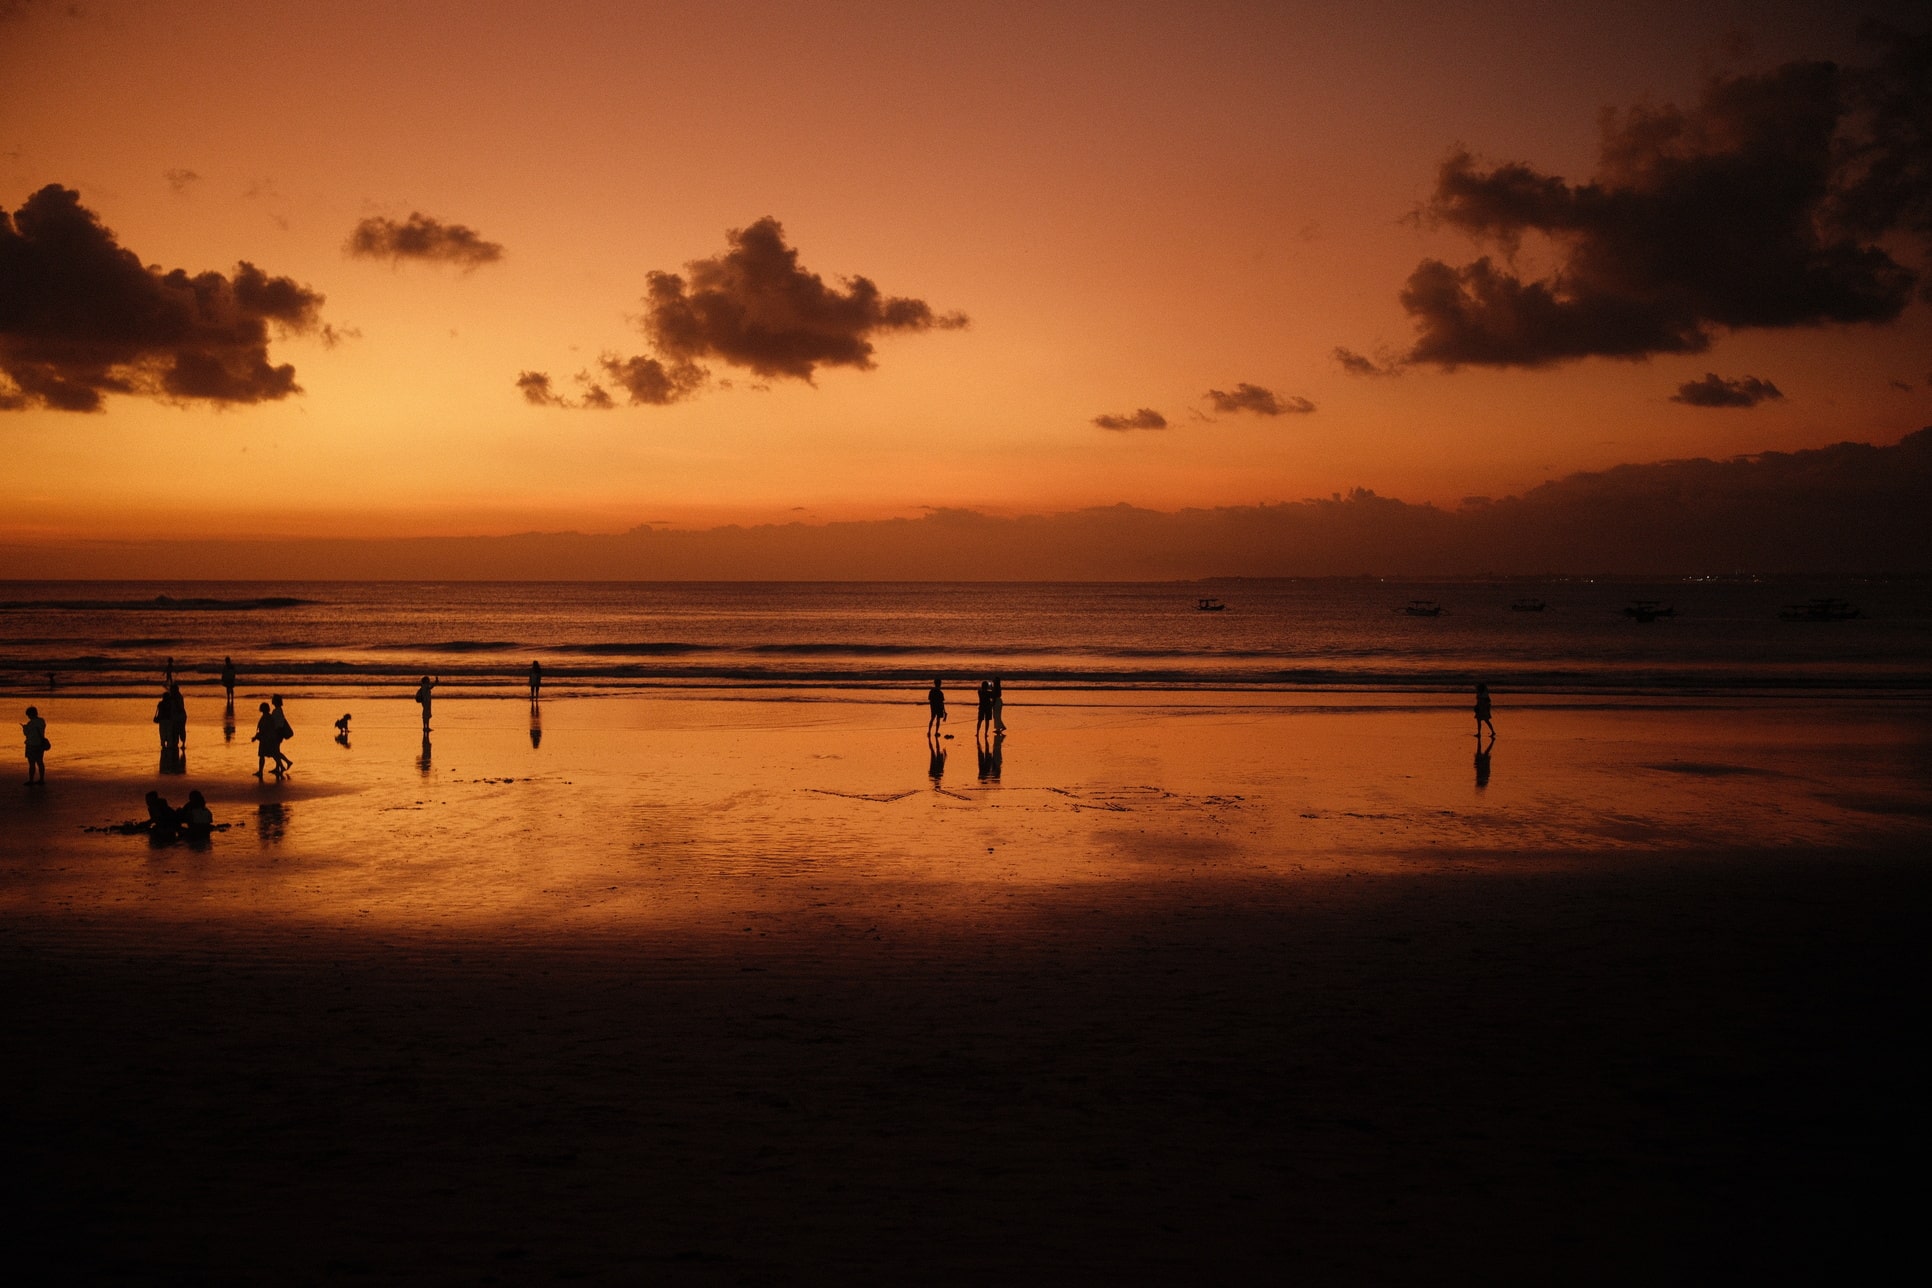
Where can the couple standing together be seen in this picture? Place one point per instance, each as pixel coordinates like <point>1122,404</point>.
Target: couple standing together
<point>272,729</point>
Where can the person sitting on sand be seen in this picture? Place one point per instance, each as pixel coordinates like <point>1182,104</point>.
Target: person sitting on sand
<point>35,730</point>
<point>163,820</point>
<point>1482,711</point>
<point>195,817</point>
<point>936,700</point>
<point>268,740</point>
<point>423,695</point>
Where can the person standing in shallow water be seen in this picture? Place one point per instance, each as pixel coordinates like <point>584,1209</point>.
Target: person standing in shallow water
<point>228,678</point>
<point>936,703</point>
<point>536,680</point>
<point>35,730</point>
<point>1482,711</point>
<point>423,695</point>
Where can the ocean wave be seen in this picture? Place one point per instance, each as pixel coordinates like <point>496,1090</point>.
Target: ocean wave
<point>160,603</point>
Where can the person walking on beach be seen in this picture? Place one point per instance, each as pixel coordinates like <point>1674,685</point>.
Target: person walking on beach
<point>287,731</point>
<point>935,700</point>
<point>985,716</point>
<point>228,678</point>
<point>424,694</point>
<point>35,730</point>
<point>999,706</point>
<point>536,680</point>
<point>1482,711</point>
<point>268,740</point>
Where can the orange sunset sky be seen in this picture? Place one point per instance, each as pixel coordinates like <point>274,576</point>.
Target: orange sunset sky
<point>1068,215</point>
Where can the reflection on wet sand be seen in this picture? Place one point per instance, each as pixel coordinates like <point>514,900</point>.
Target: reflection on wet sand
<point>536,715</point>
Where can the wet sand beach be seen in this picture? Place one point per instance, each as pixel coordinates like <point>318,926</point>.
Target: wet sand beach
<point>725,987</point>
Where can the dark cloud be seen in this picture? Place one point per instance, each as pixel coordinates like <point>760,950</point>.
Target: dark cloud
<point>754,307</point>
<point>81,317</point>
<point>539,391</point>
<point>1254,398</point>
<point>1145,418</point>
<point>1715,391</point>
<point>1360,365</point>
<point>181,180</point>
<point>652,382</point>
<point>1760,207</point>
<point>421,237</point>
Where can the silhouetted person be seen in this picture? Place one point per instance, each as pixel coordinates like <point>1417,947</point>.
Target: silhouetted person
<point>1482,761</point>
<point>936,759</point>
<point>50,681</point>
<point>1482,711</point>
<point>268,739</point>
<point>423,695</point>
<point>164,822</point>
<point>171,714</point>
<point>228,678</point>
<point>35,731</point>
<point>288,731</point>
<point>342,729</point>
<point>984,716</point>
<point>167,673</point>
<point>536,680</point>
<point>936,701</point>
<point>999,706</point>
<point>195,817</point>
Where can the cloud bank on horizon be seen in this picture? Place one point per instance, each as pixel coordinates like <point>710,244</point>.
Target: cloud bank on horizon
<point>1764,206</point>
<point>753,307</point>
<point>81,318</point>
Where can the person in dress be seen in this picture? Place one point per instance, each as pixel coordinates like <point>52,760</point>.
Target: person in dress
<point>35,730</point>
<point>268,740</point>
<point>1482,711</point>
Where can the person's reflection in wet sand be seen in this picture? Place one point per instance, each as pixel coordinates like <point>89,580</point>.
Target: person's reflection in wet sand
<point>422,761</point>
<point>174,759</point>
<point>1482,760</point>
<point>991,752</point>
<point>228,720</point>
<point>271,822</point>
<point>935,759</point>
<point>536,723</point>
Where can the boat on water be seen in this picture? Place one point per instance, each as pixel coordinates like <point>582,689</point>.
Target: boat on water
<point>1648,610</point>
<point>1421,608</point>
<point>1206,605</point>
<point>1528,606</point>
<point>1820,610</point>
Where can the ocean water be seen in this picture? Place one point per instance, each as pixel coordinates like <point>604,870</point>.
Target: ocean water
<point>1721,637</point>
